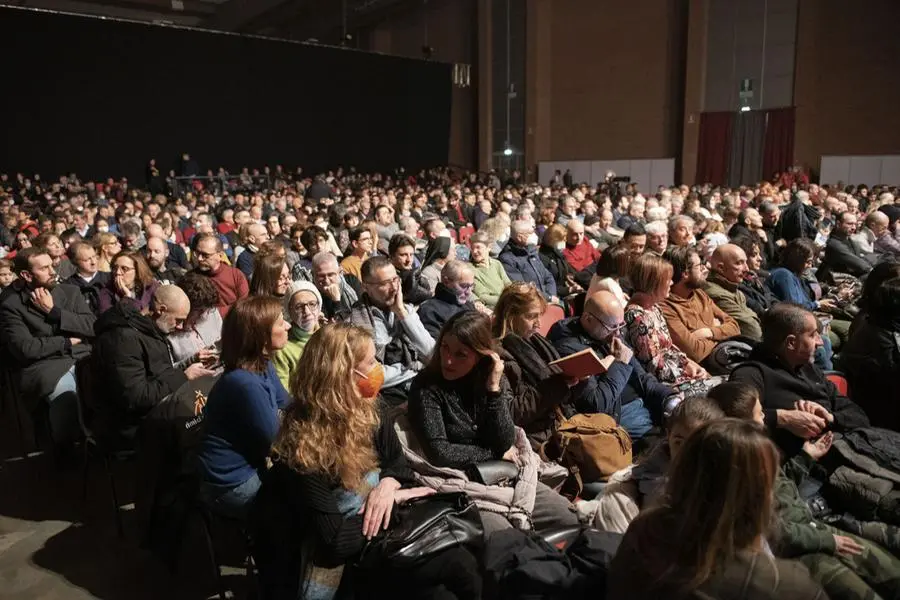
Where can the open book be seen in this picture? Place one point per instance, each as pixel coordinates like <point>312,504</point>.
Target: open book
<point>583,363</point>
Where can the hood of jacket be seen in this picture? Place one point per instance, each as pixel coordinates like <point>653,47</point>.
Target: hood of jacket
<point>127,315</point>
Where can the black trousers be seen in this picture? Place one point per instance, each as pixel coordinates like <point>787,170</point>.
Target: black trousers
<point>453,574</point>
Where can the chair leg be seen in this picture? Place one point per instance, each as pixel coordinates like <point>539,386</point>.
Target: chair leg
<point>117,513</point>
<point>213,557</point>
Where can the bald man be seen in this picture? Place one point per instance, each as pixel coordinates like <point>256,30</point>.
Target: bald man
<point>579,253</point>
<point>728,266</point>
<point>175,255</point>
<point>253,235</point>
<point>132,360</point>
<point>627,393</point>
<point>886,241</point>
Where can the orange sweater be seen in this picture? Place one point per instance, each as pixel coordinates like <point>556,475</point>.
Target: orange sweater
<point>686,315</point>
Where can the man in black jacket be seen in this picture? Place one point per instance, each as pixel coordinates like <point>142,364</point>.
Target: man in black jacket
<point>800,218</point>
<point>798,401</point>
<point>402,252</point>
<point>87,278</point>
<point>452,295</point>
<point>623,390</point>
<point>842,255</point>
<point>132,360</point>
<point>45,328</point>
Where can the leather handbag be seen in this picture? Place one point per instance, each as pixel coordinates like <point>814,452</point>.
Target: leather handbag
<point>493,472</point>
<point>423,528</point>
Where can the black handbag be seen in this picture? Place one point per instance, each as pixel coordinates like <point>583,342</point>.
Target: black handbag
<point>493,472</point>
<point>423,528</point>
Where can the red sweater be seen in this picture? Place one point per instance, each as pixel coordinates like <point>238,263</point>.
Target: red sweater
<point>581,256</point>
<point>231,285</point>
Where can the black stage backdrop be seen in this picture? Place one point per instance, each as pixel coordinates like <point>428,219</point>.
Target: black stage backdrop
<point>101,98</point>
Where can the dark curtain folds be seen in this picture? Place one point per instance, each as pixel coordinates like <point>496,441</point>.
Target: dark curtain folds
<point>746,156</point>
<point>714,147</point>
<point>778,150</point>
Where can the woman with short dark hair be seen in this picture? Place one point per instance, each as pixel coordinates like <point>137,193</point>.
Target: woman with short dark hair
<point>242,410</point>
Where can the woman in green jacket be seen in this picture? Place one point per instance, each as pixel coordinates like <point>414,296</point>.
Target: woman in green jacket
<point>303,308</point>
<point>490,277</point>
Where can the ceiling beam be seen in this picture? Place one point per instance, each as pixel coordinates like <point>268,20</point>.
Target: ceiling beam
<point>235,15</point>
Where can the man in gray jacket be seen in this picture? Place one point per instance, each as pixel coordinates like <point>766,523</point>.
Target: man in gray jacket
<point>402,343</point>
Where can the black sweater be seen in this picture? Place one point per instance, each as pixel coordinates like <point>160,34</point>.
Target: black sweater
<point>296,514</point>
<point>459,423</point>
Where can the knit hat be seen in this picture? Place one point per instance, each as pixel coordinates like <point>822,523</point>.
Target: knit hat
<point>300,286</point>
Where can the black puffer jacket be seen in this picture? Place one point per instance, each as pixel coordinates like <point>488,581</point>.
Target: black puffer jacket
<point>438,310</point>
<point>558,267</point>
<point>871,361</point>
<point>132,367</point>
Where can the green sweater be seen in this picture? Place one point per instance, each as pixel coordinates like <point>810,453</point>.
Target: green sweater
<point>732,301</point>
<point>286,359</point>
<point>490,279</point>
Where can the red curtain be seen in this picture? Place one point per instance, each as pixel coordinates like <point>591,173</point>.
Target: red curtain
<point>714,148</point>
<point>778,149</point>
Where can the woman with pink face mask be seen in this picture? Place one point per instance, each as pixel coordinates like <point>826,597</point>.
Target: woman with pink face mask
<point>303,309</point>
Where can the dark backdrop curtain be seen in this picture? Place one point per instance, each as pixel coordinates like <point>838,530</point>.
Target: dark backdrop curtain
<point>745,164</point>
<point>778,151</point>
<point>714,147</point>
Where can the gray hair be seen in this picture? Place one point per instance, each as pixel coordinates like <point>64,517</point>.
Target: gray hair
<point>674,221</point>
<point>657,214</point>
<point>454,270</point>
<point>323,258</point>
<point>520,227</point>
<point>656,227</point>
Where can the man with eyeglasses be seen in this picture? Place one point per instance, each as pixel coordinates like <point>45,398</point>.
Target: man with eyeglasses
<point>452,295</point>
<point>230,283</point>
<point>626,392</point>
<point>402,343</point>
<point>132,355</point>
<point>697,325</point>
<point>339,292</point>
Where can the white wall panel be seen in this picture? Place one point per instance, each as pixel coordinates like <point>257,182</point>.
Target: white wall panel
<point>855,170</point>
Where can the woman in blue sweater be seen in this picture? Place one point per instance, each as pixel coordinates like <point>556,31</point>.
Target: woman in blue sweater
<point>788,285</point>
<point>241,415</point>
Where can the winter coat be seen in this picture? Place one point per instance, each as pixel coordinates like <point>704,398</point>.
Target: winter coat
<point>38,344</point>
<point>438,310</point>
<point>842,255</point>
<point>871,362</point>
<point>523,264</point>
<point>558,267</point>
<point>133,364</point>
<point>90,289</point>
<point>780,387</point>
<point>537,388</point>
<point>759,297</point>
<point>608,392</point>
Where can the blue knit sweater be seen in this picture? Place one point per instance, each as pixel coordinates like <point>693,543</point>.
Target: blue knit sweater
<point>241,420</point>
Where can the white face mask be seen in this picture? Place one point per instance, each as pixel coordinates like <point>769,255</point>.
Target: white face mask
<point>532,239</point>
<point>560,245</point>
<point>504,237</point>
<point>103,228</point>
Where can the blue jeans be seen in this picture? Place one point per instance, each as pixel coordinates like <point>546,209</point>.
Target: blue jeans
<point>62,410</point>
<point>822,357</point>
<point>635,419</point>
<point>235,503</point>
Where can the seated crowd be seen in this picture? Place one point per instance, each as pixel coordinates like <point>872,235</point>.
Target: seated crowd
<point>367,340</point>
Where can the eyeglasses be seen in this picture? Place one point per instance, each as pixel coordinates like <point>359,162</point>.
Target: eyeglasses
<point>701,266</point>
<point>613,329</point>
<point>305,307</point>
<point>465,286</point>
<point>385,283</point>
<point>204,254</point>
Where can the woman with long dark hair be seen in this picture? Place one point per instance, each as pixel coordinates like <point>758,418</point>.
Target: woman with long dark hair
<point>707,539</point>
<point>271,276</point>
<point>459,405</point>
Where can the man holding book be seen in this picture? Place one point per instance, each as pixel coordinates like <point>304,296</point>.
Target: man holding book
<point>621,389</point>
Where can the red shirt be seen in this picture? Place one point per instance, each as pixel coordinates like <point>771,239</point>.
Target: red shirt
<point>581,256</point>
<point>231,285</point>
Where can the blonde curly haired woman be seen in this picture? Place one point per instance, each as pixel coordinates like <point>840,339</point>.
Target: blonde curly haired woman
<point>339,472</point>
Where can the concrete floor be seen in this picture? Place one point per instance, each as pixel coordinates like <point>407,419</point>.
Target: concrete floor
<point>46,553</point>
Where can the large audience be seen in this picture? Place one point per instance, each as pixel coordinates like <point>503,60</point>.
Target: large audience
<point>353,343</point>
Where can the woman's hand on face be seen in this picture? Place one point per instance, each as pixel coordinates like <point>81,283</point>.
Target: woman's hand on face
<point>122,288</point>
<point>377,507</point>
<point>493,382</point>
